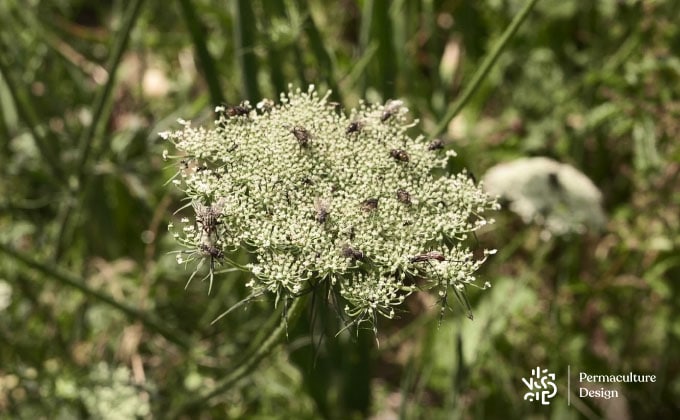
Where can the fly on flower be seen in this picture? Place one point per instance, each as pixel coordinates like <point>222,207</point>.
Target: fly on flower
<point>302,135</point>
<point>391,108</point>
<point>369,204</point>
<point>208,220</point>
<point>354,127</point>
<point>436,144</point>
<point>322,207</point>
<point>400,155</point>
<point>404,197</point>
<point>352,253</point>
<point>240,110</point>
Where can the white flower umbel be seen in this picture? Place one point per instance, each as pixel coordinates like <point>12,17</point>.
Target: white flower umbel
<point>318,196</point>
<point>554,195</point>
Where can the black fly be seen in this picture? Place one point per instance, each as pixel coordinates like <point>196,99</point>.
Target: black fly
<point>436,144</point>
<point>355,254</point>
<point>354,127</point>
<point>404,197</point>
<point>208,219</point>
<point>400,155</point>
<point>302,135</point>
<point>369,204</point>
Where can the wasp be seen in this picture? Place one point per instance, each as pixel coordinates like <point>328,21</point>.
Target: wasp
<point>436,144</point>
<point>369,204</point>
<point>404,197</point>
<point>302,135</point>
<point>428,256</point>
<point>391,108</point>
<point>400,155</point>
<point>354,127</point>
<point>355,254</point>
<point>322,208</point>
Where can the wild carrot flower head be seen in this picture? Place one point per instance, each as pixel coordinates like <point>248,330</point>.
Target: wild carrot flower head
<point>320,197</point>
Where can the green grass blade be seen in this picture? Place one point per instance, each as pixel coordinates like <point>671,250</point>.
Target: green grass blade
<point>99,117</point>
<point>261,349</point>
<point>275,10</point>
<point>70,280</point>
<point>484,69</point>
<point>322,54</point>
<point>244,39</point>
<point>385,75</point>
<point>205,60</point>
<point>27,114</point>
<point>376,29</point>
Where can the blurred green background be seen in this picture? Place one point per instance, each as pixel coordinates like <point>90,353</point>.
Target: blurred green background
<point>94,318</point>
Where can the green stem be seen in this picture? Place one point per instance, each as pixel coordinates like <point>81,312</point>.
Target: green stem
<point>205,60</point>
<point>28,115</point>
<point>244,38</point>
<point>323,55</point>
<point>484,69</point>
<point>103,96</point>
<point>99,119</point>
<point>71,281</point>
<point>261,350</point>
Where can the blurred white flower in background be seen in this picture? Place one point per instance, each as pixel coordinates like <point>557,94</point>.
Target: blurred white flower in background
<point>551,194</point>
<point>112,395</point>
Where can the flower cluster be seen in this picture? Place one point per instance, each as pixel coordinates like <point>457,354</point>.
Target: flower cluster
<point>320,197</point>
<point>551,194</point>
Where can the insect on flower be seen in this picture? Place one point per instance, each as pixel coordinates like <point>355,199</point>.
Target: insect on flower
<point>442,284</point>
<point>322,207</point>
<point>391,108</point>
<point>208,219</point>
<point>349,252</point>
<point>404,197</point>
<point>428,256</point>
<point>265,105</point>
<point>400,155</point>
<point>212,251</point>
<point>302,135</point>
<point>237,110</point>
<point>215,254</point>
<point>369,204</point>
<point>354,127</point>
<point>436,144</point>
